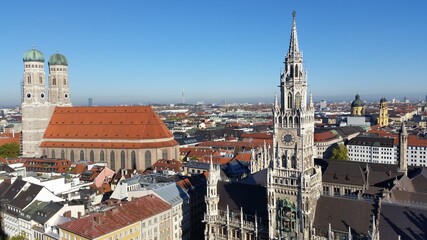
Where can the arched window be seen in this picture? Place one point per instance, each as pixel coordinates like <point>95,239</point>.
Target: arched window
<point>65,81</point>
<point>72,155</point>
<point>41,80</point>
<point>133,159</point>
<point>29,79</point>
<point>112,160</point>
<point>292,71</point>
<point>296,120</point>
<point>53,154</point>
<point>164,154</point>
<point>122,160</point>
<point>289,100</point>
<point>82,155</point>
<point>147,159</point>
<point>54,81</point>
<point>62,154</point>
<point>296,70</point>
<point>298,100</point>
<point>101,156</point>
<point>92,156</point>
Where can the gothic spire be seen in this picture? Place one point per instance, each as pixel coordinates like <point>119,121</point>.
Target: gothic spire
<point>403,131</point>
<point>293,52</point>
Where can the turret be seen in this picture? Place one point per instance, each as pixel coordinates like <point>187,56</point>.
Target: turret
<point>403,146</point>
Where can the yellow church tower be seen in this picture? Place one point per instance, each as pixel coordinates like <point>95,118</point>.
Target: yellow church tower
<point>383,117</point>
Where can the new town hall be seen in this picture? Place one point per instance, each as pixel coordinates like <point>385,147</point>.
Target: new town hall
<point>291,195</point>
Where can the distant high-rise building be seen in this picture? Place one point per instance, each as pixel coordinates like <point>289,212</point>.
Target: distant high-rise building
<point>90,102</point>
<point>183,96</point>
<point>426,99</point>
<point>322,104</point>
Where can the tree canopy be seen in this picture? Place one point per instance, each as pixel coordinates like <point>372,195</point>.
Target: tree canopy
<point>340,152</point>
<point>9,150</point>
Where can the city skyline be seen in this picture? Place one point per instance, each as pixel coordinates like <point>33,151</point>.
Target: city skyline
<point>143,52</point>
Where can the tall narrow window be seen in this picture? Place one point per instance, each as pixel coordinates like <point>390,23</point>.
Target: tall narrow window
<point>53,154</point>
<point>147,159</point>
<point>298,100</point>
<point>29,79</point>
<point>82,155</point>
<point>296,71</point>
<point>54,81</point>
<point>92,156</point>
<point>112,160</point>
<point>101,156</point>
<point>133,159</point>
<point>72,155</point>
<point>65,81</point>
<point>289,100</point>
<point>164,154</point>
<point>122,160</point>
<point>62,154</point>
<point>41,80</point>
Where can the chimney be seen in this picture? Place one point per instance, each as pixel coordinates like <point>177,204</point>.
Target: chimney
<point>67,214</point>
<point>97,219</point>
<point>79,215</point>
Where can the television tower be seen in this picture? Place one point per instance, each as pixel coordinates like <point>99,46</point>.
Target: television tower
<point>183,96</point>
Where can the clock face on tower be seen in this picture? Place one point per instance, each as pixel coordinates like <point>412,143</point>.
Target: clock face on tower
<point>288,138</point>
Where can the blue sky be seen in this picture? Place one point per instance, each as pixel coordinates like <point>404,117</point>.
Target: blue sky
<point>123,52</point>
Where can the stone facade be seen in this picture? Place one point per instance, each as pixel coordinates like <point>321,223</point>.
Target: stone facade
<point>37,105</point>
<point>293,183</point>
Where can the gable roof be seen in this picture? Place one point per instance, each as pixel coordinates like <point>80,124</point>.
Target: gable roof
<point>106,123</point>
<point>26,196</point>
<point>251,198</point>
<point>98,224</point>
<point>13,190</point>
<point>405,221</point>
<point>343,213</point>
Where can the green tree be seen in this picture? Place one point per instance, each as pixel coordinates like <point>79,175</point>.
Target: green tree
<point>9,150</point>
<point>340,152</point>
<point>21,236</point>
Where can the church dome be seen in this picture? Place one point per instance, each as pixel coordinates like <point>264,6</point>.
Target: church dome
<point>33,55</point>
<point>58,59</point>
<point>383,100</point>
<point>357,102</point>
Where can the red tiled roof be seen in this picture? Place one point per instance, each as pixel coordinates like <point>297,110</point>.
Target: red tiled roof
<point>162,164</point>
<point>416,142</point>
<point>244,156</point>
<point>78,168</point>
<point>47,165</point>
<point>129,123</point>
<point>324,136</point>
<point>10,138</point>
<point>255,143</point>
<point>198,153</point>
<point>257,135</point>
<point>98,224</point>
<point>216,159</point>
